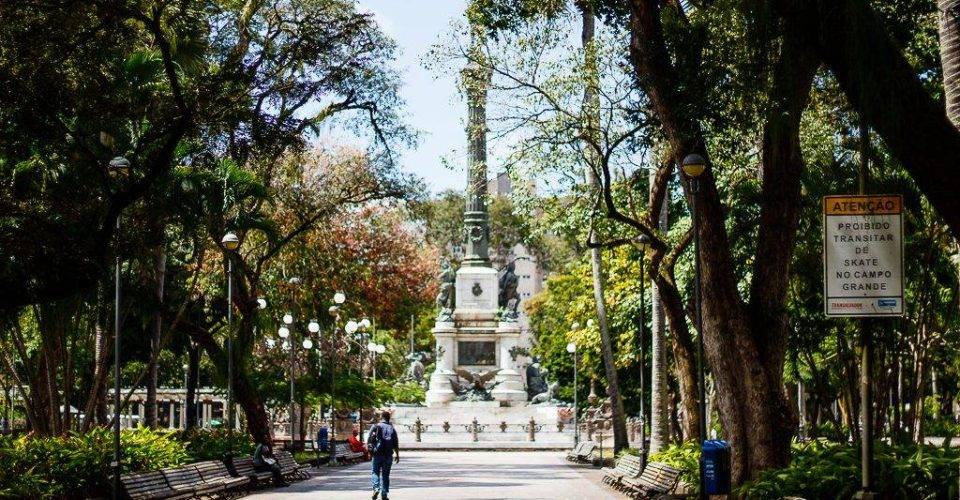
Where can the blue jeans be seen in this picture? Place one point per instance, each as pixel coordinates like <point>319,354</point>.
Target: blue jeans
<point>381,467</point>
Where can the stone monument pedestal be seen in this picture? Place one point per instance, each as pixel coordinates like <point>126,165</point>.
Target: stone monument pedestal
<point>471,339</point>
<point>441,392</point>
<point>509,387</point>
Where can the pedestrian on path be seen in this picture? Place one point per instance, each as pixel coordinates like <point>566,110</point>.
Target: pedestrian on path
<point>382,443</point>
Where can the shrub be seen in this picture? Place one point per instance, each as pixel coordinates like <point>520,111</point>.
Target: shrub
<point>214,444</point>
<point>78,465</point>
<point>686,458</point>
<point>407,393</point>
<point>822,469</point>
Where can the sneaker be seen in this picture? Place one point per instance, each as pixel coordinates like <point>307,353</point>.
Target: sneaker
<point>376,493</point>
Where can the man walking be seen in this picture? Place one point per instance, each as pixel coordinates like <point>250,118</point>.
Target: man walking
<point>382,443</point>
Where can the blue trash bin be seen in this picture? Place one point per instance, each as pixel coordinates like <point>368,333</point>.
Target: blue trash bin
<point>323,442</point>
<point>715,464</point>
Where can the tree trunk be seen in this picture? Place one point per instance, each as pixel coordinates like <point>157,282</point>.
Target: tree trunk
<point>244,393</point>
<point>896,427</point>
<point>96,407</point>
<point>684,360</point>
<point>659,403</point>
<point>68,379</point>
<point>590,97</point>
<point>949,28</point>
<point>159,274</point>
<point>919,399</point>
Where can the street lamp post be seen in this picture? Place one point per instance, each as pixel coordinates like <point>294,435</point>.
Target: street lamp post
<point>288,321</point>
<point>230,243</point>
<point>642,242</point>
<point>693,166</point>
<point>119,168</point>
<point>338,299</point>
<point>572,349</point>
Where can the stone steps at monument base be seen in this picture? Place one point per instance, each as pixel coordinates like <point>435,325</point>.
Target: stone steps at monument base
<point>490,416</point>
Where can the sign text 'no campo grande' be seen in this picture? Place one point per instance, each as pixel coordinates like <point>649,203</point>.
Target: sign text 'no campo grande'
<point>863,255</point>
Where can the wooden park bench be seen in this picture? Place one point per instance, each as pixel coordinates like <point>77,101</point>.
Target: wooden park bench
<point>572,454</point>
<point>215,472</point>
<point>343,453</point>
<point>628,467</point>
<point>150,486</point>
<point>290,468</point>
<point>187,480</point>
<point>583,454</point>
<point>243,467</point>
<point>657,479</point>
<point>600,456</point>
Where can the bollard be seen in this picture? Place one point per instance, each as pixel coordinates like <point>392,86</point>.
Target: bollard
<point>533,430</point>
<point>503,426</point>
<point>418,428</point>
<point>474,429</point>
<point>446,427</point>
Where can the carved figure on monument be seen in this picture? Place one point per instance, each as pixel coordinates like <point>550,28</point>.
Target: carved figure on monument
<point>475,387</point>
<point>536,381</point>
<point>509,298</point>
<point>415,370</point>
<point>446,297</point>
<point>547,396</point>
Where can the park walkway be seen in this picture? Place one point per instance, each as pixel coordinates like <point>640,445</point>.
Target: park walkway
<point>426,475</point>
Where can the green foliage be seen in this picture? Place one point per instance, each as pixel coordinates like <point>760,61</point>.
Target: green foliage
<point>205,444</point>
<point>78,465</point>
<point>822,469</point>
<point>686,458</point>
<point>568,299</point>
<point>407,393</point>
<point>509,225</point>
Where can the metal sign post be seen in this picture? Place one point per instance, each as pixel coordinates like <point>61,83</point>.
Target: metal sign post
<point>863,278</point>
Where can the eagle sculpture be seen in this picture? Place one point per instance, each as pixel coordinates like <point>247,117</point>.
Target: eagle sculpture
<point>475,388</point>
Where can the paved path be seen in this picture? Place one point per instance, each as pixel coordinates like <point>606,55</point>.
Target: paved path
<point>424,475</point>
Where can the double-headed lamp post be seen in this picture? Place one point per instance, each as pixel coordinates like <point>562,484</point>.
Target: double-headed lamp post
<point>230,243</point>
<point>572,349</point>
<point>119,168</point>
<point>693,167</point>
<point>375,349</point>
<point>338,299</point>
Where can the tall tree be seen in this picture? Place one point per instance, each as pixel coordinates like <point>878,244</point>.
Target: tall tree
<point>659,372</point>
<point>745,339</point>
<point>591,106</point>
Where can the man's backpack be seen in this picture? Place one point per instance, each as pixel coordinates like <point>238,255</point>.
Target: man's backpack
<point>379,444</point>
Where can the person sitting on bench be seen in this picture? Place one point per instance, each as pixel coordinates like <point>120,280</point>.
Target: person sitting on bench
<point>357,447</point>
<point>264,461</point>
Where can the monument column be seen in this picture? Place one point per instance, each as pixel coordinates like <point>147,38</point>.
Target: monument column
<point>476,291</point>
<point>476,80</point>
